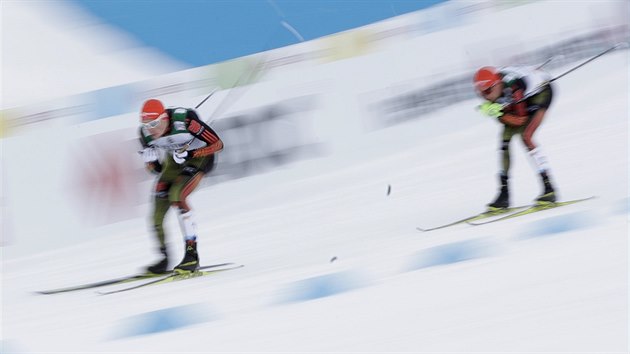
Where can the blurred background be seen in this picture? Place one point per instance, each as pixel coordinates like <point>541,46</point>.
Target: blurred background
<point>319,103</point>
<point>81,69</point>
<point>291,88</point>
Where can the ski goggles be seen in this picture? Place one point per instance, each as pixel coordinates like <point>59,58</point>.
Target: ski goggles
<point>153,124</point>
<point>156,122</point>
<point>485,92</point>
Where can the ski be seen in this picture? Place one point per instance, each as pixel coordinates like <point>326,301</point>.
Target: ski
<point>116,281</point>
<point>173,277</point>
<point>122,280</point>
<point>532,209</point>
<point>480,216</point>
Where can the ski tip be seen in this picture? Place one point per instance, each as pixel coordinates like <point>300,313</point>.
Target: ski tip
<point>571,201</point>
<point>228,264</point>
<point>52,292</point>
<point>420,229</point>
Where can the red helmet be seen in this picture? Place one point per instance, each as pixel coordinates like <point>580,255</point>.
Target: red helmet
<point>486,77</point>
<point>151,110</point>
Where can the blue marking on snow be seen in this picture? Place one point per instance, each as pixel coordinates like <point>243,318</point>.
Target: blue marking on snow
<point>164,320</point>
<point>558,224</point>
<point>320,286</point>
<point>622,206</point>
<point>451,253</point>
<point>8,347</point>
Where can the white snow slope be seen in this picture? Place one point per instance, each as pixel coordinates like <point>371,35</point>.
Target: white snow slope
<point>555,281</point>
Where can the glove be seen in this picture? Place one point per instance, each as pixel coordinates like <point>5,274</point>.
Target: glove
<point>180,157</point>
<point>494,110</point>
<point>149,155</point>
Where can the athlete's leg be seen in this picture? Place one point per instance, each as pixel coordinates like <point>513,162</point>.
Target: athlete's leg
<point>185,183</point>
<point>540,101</point>
<point>160,208</point>
<point>503,199</point>
<point>183,186</point>
<point>162,194</point>
<point>189,178</point>
<point>504,151</point>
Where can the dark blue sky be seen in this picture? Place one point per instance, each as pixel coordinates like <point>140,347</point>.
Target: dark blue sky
<point>208,31</point>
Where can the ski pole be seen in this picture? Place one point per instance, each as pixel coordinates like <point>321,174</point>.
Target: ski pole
<point>205,99</point>
<point>260,64</point>
<point>545,63</point>
<point>589,60</point>
<point>546,83</point>
<point>549,60</point>
<point>223,102</point>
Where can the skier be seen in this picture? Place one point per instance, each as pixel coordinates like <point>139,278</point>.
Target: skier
<point>180,148</point>
<point>519,98</point>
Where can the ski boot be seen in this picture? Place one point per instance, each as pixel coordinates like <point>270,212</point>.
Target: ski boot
<point>190,263</point>
<point>160,267</point>
<point>549,194</point>
<point>503,199</point>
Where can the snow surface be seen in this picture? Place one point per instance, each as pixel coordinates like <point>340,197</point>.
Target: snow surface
<point>555,281</point>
